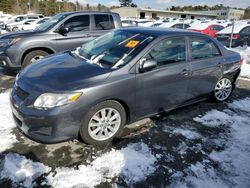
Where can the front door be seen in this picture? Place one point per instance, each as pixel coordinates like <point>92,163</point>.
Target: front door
<point>164,87</point>
<point>79,32</point>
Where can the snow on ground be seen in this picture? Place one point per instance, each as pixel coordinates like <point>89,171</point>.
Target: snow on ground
<point>245,54</point>
<point>233,162</point>
<point>6,123</point>
<point>133,163</point>
<point>21,170</point>
<point>189,134</point>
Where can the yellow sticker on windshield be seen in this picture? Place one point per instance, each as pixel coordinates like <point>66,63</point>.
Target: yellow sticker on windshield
<point>132,43</point>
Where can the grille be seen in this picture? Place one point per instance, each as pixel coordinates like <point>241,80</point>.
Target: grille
<point>21,93</point>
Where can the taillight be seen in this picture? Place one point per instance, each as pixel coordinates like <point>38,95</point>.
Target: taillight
<point>235,36</point>
<point>241,61</point>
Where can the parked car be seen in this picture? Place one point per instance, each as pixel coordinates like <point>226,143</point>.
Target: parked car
<point>119,78</point>
<point>4,18</point>
<point>128,23</point>
<point>240,36</point>
<point>19,18</point>
<point>33,25</point>
<point>207,28</point>
<point>64,31</point>
<point>176,25</point>
<point>17,26</point>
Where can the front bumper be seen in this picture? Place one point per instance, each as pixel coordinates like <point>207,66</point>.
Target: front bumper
<point>46,126</point>
<point>7,62</point>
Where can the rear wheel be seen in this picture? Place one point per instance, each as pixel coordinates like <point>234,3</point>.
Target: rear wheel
<point>33,56</point>
<point>103,123</point>
<point>223,89</point>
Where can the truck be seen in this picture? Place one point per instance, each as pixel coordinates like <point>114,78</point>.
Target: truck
<point>64,31</point>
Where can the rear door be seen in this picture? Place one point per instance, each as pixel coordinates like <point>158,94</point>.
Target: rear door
<point>79,32</point>
<point>207,66</point>
<point>102,23</point>
<point>165,86</point>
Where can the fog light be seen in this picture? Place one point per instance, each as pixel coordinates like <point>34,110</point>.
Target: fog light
<point>3,63</point>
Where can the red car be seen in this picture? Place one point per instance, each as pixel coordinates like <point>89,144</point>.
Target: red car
<point>207,28</point>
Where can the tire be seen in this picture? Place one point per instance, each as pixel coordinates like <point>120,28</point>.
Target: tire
<point>94,128</point>
<point>15,29</point>
<point>223,89</point>
<point>32,56</point>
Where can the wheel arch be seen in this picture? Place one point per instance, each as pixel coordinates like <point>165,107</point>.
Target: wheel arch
<point>125,106</point>
<point>46,49</point>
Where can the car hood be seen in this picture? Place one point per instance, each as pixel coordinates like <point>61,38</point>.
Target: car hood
<point>62,72</point>
<point>19,34</point>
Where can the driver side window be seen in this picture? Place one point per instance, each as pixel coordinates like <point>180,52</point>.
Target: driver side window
<point>168,51</point>
<point>77,23</point>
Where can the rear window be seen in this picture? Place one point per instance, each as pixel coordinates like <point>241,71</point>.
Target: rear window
<point>104,22</point>
<point>202,48</point>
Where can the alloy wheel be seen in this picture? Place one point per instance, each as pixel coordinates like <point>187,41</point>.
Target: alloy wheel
<point>104,124</point>
<point>223,89</point>
<point>36,58</point>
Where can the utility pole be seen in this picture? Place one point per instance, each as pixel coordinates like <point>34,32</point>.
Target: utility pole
<point>232,33</point>
<point>29,5</point>
<point>18,8</point>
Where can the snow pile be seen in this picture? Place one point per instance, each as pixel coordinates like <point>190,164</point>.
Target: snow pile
<point>233,161</point>
<point>6,123</point>
<point>189,134</point>
<point>21,170</point>
<point>245,54</point>
<point>133,164</point>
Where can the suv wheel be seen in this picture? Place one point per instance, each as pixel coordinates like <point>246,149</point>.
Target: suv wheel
<point>103,123</point>
<point>33,56</point>
<point>223,89</point>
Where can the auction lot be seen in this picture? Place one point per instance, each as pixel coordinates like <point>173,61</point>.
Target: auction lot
<point>203,145</point>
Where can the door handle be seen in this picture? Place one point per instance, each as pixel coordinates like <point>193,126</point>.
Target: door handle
<point>185,72</point>
<point>87,35</point>
<point>220,65</point>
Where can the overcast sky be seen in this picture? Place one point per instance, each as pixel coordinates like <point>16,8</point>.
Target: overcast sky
<point>162,4</point>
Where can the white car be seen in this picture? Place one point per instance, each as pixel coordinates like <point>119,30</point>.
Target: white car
<point>177,25</point>
<point>32,25</point>
<point>19,18</point>
<point>128,23</point>
<point>17,26</point>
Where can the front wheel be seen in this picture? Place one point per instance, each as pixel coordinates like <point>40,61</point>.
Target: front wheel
<point>103,123</point>
<point>223,89</point>
<point>33,56</point>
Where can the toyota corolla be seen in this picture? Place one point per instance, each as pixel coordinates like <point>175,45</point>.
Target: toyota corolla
<point>119,78</point>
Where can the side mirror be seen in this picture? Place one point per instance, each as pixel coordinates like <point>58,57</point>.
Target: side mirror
<point>63,30</point>
<point>147,65</point>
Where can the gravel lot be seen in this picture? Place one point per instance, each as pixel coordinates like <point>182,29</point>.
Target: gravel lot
<point>203,145</point>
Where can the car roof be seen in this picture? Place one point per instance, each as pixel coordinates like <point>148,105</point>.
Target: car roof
<point>86,12</point>
<point>202,26</point>
<point>157,31</point>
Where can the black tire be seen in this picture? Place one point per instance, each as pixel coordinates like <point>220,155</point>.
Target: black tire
<point>15,29</point>
<point>85,123</point>
<point>28,58</point>
<point>225,99</point>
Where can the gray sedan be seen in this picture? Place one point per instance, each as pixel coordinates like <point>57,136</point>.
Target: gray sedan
<point>119,78</point>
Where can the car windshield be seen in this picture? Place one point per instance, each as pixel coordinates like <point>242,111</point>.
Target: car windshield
<point>114,49</point>
<point>50,22</point>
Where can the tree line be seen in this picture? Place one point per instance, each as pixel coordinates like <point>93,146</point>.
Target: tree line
<point>45,7</point>
<point>52,7</point>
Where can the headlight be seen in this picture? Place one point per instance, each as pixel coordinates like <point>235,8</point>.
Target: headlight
<point>17,76</point>
<point>9,42</point>
<point>51,100</point>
